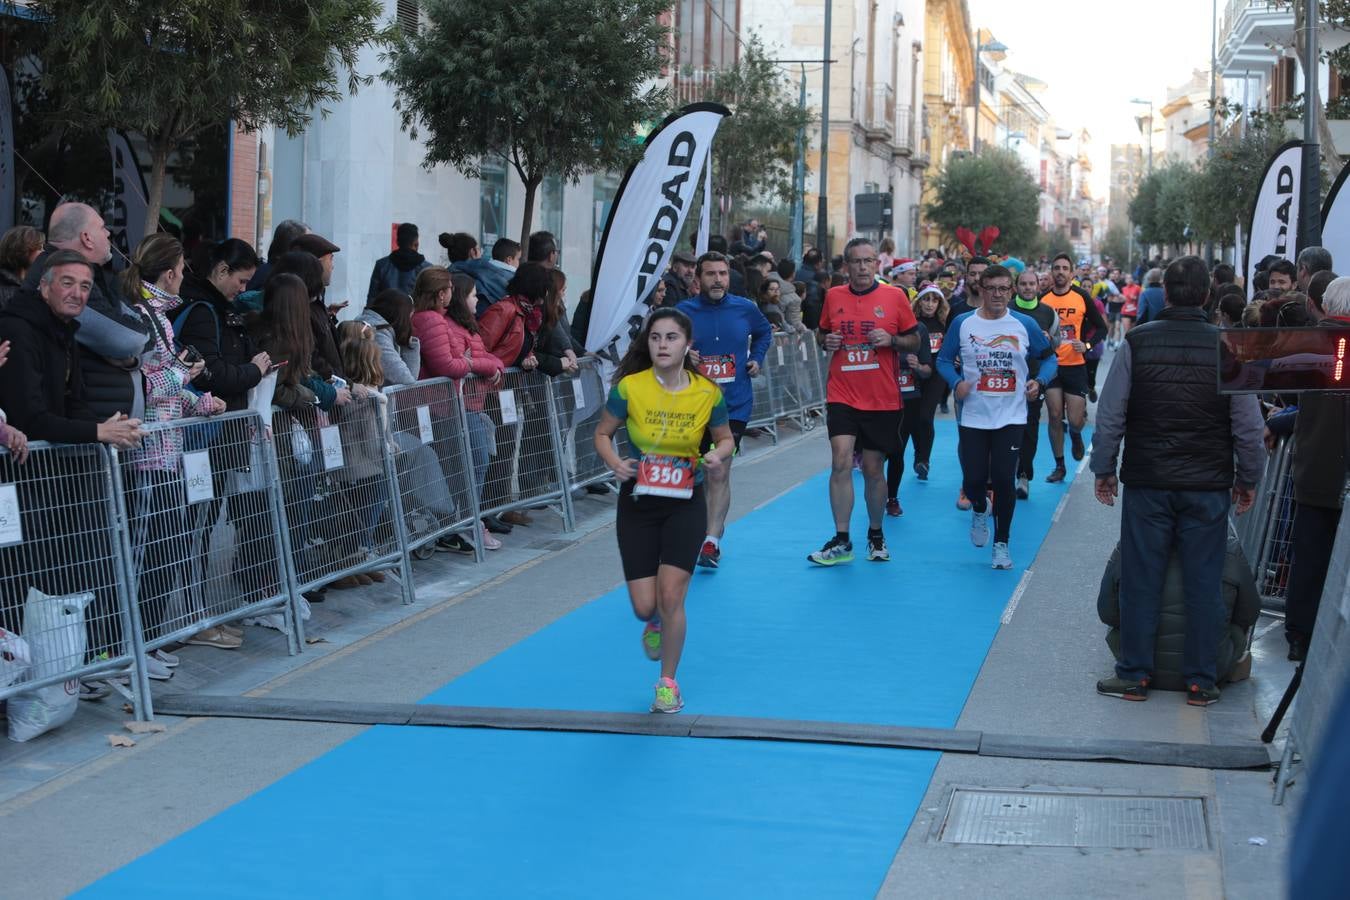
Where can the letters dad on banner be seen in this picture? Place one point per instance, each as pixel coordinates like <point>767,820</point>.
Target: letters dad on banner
<point>1274,223</point>
<point>645,220</point>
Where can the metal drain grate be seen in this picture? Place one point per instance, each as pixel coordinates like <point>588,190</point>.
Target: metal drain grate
<point>1031,819</point>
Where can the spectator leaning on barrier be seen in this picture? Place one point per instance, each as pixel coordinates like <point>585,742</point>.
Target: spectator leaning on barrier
<point>20,246</point>
<point>156,497</point>
<point>543,249</point>
<point>492,275</point>
<point>112,336</point>
<point>42,391</point>
<point>451,348</point>
<point>555,352</point>
<point>283,236</point>
<point>325,363</point>
<point>398,270</point>
<point>390,316</point>
<point>11,438</point>
<point>1319,471</point>
<point>1317,287</point>
<point>1181,436</point>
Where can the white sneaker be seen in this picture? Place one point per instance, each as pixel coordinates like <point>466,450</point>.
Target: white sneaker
<point>1002,558</point>
<point>166,657</point>
<point>979,528</point>
<point>156,669</point>
<point>489,542</point>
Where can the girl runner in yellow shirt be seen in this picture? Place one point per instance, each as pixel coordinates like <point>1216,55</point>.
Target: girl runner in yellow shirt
<point>667,407</point>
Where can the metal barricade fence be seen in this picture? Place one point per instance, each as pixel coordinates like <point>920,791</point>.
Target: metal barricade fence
<point>579,401</point>
<point>343,511</point>
<point>1265,531</point>
<point>527,460</point>
<point>65,583</point>
<point>203,539</point>
<point>442,455</point>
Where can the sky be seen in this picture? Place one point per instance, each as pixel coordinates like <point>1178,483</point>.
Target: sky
<point>1119,51</point>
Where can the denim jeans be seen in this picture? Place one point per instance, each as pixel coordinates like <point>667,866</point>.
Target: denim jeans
<point>1152,523</point>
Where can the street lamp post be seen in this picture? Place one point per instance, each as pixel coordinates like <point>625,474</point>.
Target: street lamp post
<point>1149,104</point>
<point>992,47</point>
<point>1310,187</point>
<point>822,205</point>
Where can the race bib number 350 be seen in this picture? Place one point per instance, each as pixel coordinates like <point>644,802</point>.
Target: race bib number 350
<point>665,476</point>
<point>719,369</point>
<point>858,358</point>
<point>996,382</point>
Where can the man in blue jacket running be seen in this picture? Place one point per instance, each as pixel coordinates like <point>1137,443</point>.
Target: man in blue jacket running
<point>731,338</point>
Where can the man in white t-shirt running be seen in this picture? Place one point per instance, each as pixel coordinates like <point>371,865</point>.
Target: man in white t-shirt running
<point>995,347</point>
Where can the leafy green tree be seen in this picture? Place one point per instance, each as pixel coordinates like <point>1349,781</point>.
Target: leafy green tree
<point>171,68</point>
<point>1057,241</point>
<point>755,149</point>
<point>990,189</point>
<point>554,87</point>
<point>1116,244</point>
<point>1162,205</point>
<point>1225,188</point>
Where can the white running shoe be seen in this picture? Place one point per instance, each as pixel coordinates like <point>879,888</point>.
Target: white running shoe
<point>489,542</point>
<point>1002,558</point>
<point>156,669</point>
<point>979,528</point>
<point>167,658</point>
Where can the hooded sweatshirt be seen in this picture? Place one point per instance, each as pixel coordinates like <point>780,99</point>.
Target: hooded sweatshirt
<point>398,270</point>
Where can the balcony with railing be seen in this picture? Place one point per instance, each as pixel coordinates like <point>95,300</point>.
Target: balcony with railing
<point>880,121</point>
<point>903,145</point>
<point>1249,31</point>
<point>691,85</point>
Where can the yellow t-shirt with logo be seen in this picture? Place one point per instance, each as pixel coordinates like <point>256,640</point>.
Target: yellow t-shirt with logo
<point>667,423</point>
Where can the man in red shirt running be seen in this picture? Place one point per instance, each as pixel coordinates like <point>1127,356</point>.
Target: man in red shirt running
<point>865,325</point>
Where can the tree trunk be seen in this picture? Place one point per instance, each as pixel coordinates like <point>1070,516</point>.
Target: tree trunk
<point>159,163</point>
<point>527,220</point>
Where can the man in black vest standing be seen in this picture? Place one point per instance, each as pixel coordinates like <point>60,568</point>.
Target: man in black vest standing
<point>1181,478</point>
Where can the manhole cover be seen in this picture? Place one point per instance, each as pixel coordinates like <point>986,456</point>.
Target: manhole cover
<point>1032,819</point>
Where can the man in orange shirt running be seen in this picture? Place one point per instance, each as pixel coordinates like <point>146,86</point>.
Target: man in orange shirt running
<point>1078,317</point>
<point>864,325</point>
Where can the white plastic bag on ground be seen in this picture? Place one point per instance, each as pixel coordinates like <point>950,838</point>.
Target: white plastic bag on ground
<point>54,630</point>
<point>277,621</point>
<point>15,658</point>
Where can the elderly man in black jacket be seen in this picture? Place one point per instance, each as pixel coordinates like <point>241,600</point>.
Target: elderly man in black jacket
<point>112,335</point>
<point>1181,436</point>
<point>42,391</point>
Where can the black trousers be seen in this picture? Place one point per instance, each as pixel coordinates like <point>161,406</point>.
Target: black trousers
<point>1313,537</point>
<point>1030,439</point>
<point>989,457</point>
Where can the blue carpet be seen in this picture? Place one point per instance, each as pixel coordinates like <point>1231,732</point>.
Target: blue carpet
<point>430,811</point>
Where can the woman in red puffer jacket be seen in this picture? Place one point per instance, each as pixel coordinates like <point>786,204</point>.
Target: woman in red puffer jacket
<point>452,348</point>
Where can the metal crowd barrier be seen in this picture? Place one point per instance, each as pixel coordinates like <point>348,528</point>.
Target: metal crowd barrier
<point>441,444</point>
<point>1265,532</point>
<point>203,539</point>
<point>216,520</point>
<point>526,469</point>
<point>64,578</point>
<point>343,508</point>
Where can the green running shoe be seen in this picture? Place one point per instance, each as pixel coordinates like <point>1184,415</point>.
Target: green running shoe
<point>833,553</point>
<point>668,699</point>
<point>651,640</point>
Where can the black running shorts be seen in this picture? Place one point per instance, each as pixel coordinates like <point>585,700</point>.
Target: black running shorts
<point>1072,380</point>
<point>737,432</point>
<point>657,531</point>
<point>877,430</point>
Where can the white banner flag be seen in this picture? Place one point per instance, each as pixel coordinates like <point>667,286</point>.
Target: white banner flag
<point>645,220</point>
<point>1336,222</point>
<point>705,219</point>
<point>1274,223</point>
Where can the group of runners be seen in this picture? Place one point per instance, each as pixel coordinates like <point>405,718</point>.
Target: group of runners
<point>683,391</point>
